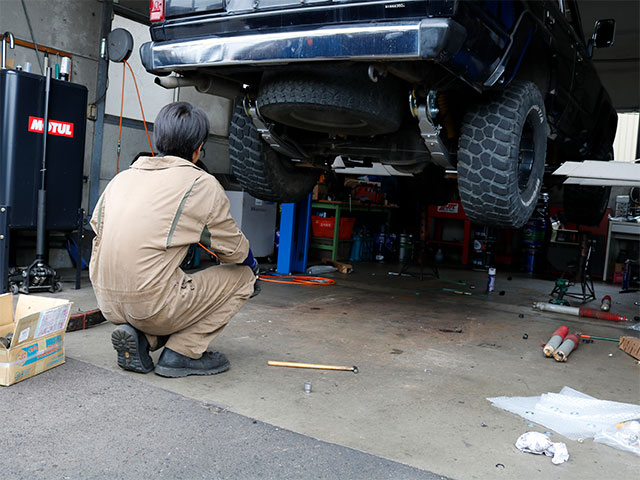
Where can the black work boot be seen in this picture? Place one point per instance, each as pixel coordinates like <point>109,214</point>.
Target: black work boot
<point>173,364</point>
<point>133,349</point>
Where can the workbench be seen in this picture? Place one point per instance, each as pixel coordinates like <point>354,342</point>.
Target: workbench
<point>338,208</point>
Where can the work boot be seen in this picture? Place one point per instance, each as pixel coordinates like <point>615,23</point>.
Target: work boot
<point>173,364</point>
<point>133,349</point>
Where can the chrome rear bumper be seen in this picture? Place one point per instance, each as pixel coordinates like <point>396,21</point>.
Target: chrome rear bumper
<point>432,38</point>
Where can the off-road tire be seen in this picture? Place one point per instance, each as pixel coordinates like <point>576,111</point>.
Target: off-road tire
<point>335,101</point>
<point>586,205</point>
<point>495,187</point>
<point>261,171</point>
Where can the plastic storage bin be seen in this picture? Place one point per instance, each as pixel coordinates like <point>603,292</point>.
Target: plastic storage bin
<point>322,227</point>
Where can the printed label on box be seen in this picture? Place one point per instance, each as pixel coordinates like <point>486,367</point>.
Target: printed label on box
<point>52,320</point>
<point>24,334</point>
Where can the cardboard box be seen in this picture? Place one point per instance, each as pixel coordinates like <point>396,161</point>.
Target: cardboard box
<point>630,345</point>
<point>38,325</point>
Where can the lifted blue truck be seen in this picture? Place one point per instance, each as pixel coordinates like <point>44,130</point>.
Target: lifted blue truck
<point>497,90</point>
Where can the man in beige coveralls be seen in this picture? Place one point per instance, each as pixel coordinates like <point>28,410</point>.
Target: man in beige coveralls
<point>144,223</point>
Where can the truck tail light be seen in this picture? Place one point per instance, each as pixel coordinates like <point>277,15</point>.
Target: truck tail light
<point>156,10</point>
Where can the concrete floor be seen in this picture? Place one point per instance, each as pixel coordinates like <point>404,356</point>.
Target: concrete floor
<point>420,396</point>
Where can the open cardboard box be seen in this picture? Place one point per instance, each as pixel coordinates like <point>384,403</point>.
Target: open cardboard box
<point>38,325</point>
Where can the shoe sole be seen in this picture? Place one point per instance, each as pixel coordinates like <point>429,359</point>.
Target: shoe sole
<point>172,372</point>
<point>125,342</point>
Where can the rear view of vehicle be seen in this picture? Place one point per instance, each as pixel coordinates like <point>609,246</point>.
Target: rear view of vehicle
<point>423,86</point>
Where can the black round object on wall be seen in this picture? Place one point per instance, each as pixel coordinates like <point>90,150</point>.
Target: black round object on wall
<point>120,45</point>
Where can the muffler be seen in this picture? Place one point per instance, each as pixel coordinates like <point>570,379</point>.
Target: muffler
<point>204,84</point>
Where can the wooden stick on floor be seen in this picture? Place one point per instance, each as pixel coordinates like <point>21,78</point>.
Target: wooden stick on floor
<point>273,363</point>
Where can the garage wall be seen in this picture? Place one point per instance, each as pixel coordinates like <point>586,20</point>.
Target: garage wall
<point>56,24</point>
<point>134,141</point>
<point>153,97</point>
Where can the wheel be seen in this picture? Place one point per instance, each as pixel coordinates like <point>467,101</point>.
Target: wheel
<point>14,289</point>
<point>501,156</point>
<point>335,101</point>
<point>587,205</point>
<point>261,171</point>
<point>57,287</point>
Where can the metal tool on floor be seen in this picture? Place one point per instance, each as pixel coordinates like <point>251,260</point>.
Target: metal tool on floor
<point>560,290</point>
<point>593,337</point>
<point>316,366</point>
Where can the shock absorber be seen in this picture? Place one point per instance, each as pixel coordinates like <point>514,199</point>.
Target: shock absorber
<point>446,116</point>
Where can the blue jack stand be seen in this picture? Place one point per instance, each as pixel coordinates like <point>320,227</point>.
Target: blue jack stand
<point>294,237</point>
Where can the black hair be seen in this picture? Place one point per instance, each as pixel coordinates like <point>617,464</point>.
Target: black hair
<point>180,128</point>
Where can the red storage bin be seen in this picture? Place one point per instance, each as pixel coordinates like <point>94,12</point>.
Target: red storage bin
<point>323,227</point>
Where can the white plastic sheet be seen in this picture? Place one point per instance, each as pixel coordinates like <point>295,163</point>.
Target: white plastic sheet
<point>574,415</point>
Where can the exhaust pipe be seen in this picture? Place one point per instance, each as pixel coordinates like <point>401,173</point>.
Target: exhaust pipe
<point>204,84</point>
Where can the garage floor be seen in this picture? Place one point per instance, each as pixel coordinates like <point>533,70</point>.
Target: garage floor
<point>420,396</point>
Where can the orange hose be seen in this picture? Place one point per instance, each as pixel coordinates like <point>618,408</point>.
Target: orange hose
<point>207,250</point>
<point>144,121</point>
<point>124,75</point>
<point>287,279</point>
<point>297,280</point>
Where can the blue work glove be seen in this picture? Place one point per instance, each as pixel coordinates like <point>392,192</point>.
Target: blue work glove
<point>252,263</point>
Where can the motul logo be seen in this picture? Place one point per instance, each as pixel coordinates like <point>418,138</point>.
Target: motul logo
<point>62,129</point>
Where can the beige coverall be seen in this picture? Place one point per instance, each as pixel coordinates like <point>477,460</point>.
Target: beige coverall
<point>144,223</point>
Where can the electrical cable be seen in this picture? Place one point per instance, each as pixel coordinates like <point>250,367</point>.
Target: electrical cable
<point>33,38</point>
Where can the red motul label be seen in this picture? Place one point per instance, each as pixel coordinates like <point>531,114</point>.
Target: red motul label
<point>62,129</point>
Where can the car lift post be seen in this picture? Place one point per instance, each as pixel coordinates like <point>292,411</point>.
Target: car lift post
<point>294,236</point>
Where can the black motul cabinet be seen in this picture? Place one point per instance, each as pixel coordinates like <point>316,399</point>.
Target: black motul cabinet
<point>22,97</point>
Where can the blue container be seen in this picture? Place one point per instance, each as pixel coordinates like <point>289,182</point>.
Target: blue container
<point>356,246</point>
<point>529,260</point>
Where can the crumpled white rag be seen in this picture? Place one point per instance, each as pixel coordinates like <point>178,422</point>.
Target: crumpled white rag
<point>539,443</point>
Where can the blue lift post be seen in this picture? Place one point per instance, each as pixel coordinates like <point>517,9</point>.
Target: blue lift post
<point>295,228</point>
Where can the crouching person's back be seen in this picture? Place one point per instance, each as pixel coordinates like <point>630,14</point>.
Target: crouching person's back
<point>145,221</point>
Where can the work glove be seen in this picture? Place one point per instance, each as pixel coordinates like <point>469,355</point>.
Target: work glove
<point>252,263</point>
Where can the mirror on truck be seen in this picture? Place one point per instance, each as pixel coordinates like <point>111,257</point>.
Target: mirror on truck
<point>604,33</point>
